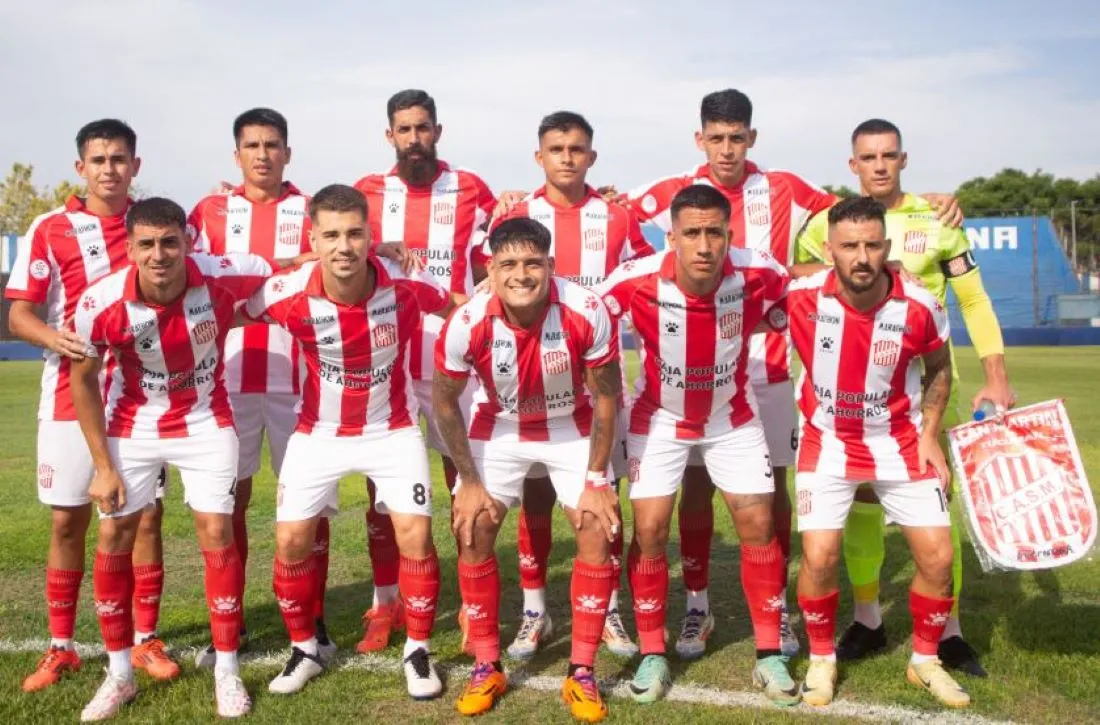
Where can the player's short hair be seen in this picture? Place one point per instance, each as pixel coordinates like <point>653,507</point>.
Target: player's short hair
<point>410,98</point>
<point>520,231</point>
<point>858,209</point>
<point>699,196</point>
<point>338,198</point>
<point>728,106</point>
<point>874,126</point>
<point>565,121</point>
<point>260,117</point>
<point>155,211</point>
<point>106,129</point>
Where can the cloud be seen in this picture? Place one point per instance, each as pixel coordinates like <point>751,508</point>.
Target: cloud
<point>969,103</point>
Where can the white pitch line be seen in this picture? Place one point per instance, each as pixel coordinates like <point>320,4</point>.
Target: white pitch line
<point>616,688</point>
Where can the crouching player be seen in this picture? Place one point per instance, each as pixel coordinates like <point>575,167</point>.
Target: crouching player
<point>694,308</point>
<point>535,342</point>
<point>862,334</point>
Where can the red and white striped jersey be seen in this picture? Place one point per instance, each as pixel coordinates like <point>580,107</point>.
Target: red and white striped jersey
<point>435,221</point>
<point>588,240</point>
<point>64,251</point>
<point>532,380</point>
<point>768,209</point>
<point>258,358</point>
<point>356,355</point>
<point>168,381</point>
<point>860,390</point>
<point>695,348</point>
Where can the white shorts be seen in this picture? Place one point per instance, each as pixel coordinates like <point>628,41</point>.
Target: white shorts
<point>396,460</point>
<point>423,391</point>
<point>207,463</point>
<point>503,464</point>
<point>253,413</point>
<point>737,462</point>
<point>774,405</point>
<point>65,466</point>
<point>823,501</point>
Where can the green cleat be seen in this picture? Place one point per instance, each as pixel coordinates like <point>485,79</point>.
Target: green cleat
<point>771,676</point>
<point>652,680</point>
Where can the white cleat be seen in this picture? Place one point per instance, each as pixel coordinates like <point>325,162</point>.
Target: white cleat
<point>615,636</point>
<point>420,676</point>
<point>533,628</point>
<point>788,640</point>
<point>206,658</point>
<point>233,700</point>
<point>820,684</point>
<point>696,629</point>
<point>109,698</point>
<point>300,669</point>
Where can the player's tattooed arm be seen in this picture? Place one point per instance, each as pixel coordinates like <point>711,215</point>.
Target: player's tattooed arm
<point>446,392</point>
<point>937,388</point>
<point>605,383</point>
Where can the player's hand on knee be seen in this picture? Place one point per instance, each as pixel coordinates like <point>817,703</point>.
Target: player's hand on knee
<point>601,504</point>
<point>471,501</point>
<point>107,491</point>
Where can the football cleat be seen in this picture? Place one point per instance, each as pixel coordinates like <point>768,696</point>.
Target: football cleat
<point>933,677</point>
<point>109,698</point>
<point>229,692</point>
<point>533,628</point>
<point>380,621</point>
<point>487,685</point>
<point>582,694</point>
<point>206,658</point>
<point>150,656</point>
<point>696,628</point>
<point>300,669</point>
<point>615,636</point>
<point>326,648</point>
<point>956,654</point>
<point>420,676</point>
<point>859,641</point>
<point>51,666</point>
<point>771,675</point>
<point>652,680</point>
<point>820,683</point>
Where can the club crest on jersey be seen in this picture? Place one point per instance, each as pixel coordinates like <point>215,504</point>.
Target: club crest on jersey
<point>915,242</point>
<point>595,240</point>
<point>384,335</point>
<point>443,212</point>
<point>289,233</point>
<point>885,353</point>
<point>805,503</point>
<point>556,362</point>
<point>729,325</point>
<point>45,475</point>
<point>205,331</point>
<point>758,213</point>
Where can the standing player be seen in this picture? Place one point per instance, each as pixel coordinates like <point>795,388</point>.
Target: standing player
<point>164,318</point>
<point>862,334</point>
<point>265,215</point>
<point>588,239</point>
<point>694,309</point>
<point>64,252</point>
<point>768,209</point>
<point>939,256</point>
<point>535,342</point>
<point>433,209</point>
<point>354,315</point>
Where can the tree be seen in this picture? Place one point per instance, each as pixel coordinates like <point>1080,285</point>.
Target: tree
<point>21,201</point>
<point>842,191</point>
<point>1012,192</point>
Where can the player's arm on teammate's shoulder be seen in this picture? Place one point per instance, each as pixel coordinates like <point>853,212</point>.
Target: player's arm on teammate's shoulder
<point>947,208</point>
<point>936,393</point>
<point>507,201</point>
<point>24,322</point>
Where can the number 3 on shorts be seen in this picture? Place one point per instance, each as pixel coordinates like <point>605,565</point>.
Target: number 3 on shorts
<point>420,494</point>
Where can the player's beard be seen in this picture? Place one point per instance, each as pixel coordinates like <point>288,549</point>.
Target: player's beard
<point>855,287</point>
<point>417,172</point>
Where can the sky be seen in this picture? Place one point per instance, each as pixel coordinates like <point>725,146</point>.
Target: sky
<point>972,91</point>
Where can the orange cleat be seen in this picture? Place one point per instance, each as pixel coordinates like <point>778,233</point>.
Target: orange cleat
<point>50,668</point>
<point>582,695</point>
<point>149,656</point>
<point>487,685</point>
<point>380,621</point>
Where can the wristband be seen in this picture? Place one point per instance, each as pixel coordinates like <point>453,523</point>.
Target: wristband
<point>596,480</point>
